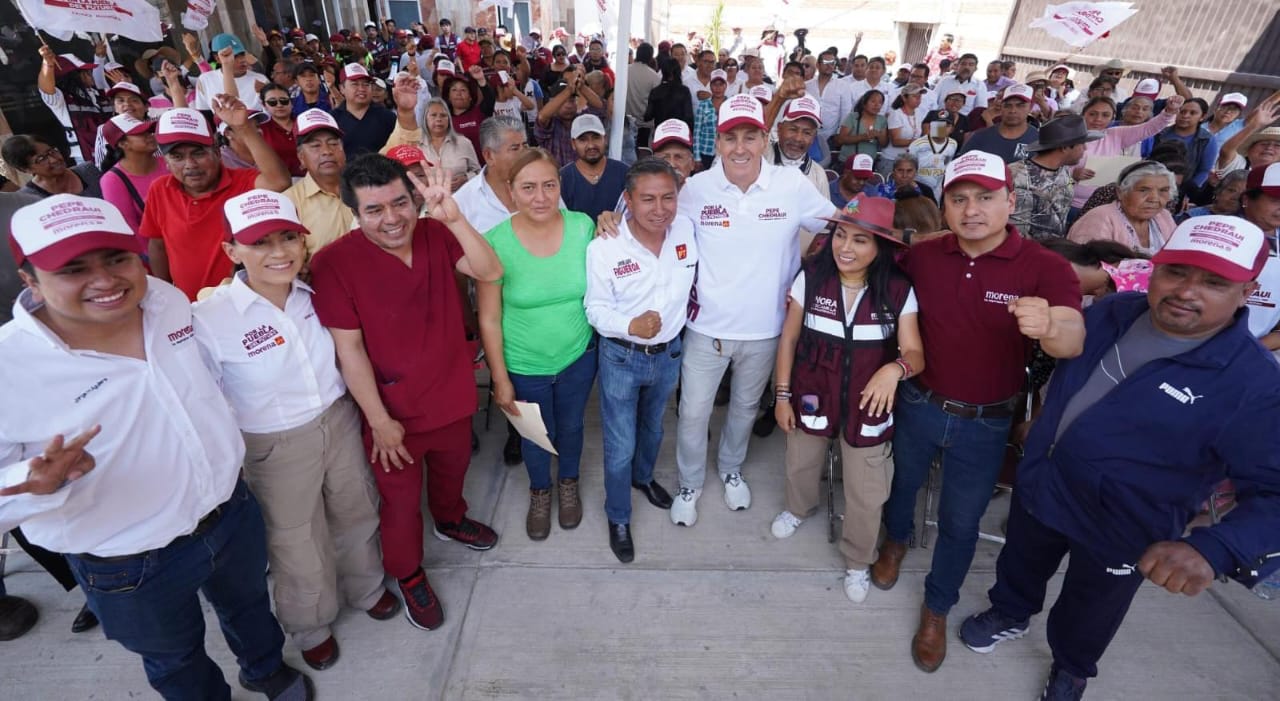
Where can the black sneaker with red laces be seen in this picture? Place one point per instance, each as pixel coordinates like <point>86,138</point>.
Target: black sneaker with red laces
<point>421,606</point>
<point>473,534</point>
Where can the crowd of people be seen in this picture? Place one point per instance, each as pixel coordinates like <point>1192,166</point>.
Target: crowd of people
<point>262,302</point>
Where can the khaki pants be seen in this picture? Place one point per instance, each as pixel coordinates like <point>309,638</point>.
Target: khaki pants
<point>321,511</point>
<point>868,475</point>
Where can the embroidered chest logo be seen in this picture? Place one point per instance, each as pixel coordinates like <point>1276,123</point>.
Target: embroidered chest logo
<point>772,214</point>
<point>92,388</point>
<point>262,339</point>
<point>626,268</point>
<point>714,215</point>
<point>825,306</point>
<point>1184,395</point>
<point>682,251</point>
<point>1001,298</point>
<point>182,335</point>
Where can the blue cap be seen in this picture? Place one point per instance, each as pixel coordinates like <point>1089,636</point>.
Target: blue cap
<point>222,41</point>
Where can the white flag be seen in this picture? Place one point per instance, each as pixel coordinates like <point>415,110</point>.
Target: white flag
<point>61,19</point>
<point>1082,23</point>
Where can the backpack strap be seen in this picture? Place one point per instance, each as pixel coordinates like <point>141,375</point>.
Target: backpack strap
<point>133,191</point>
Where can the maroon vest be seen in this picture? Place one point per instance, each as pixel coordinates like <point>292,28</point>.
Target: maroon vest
<point>834,361</point>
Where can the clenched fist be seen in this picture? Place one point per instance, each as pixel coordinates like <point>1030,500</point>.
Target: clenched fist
<point>1033,317</point>
<point>647,325</point>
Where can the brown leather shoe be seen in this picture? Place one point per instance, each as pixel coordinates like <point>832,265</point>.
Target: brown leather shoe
<point>538,523</point>
<point>884,573</point>
<point>570,504</point>
<point>322,656</point>
<point>929,646</point>
<point>386,607</point>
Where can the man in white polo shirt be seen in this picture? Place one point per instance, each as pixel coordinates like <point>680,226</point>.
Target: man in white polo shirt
<point>961,81</point>
<point>637,296</point>
<point>835,96</point>
<point>747,216</point>
<point>106,359</point>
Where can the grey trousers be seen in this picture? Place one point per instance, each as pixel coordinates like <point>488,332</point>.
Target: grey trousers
<point>705,360</point>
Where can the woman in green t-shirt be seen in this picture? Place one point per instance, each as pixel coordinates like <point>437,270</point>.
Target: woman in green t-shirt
<point>865,130</point>
<point>539,345</point>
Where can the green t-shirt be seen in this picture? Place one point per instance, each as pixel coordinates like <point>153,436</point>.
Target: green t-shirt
<point>544,322</point>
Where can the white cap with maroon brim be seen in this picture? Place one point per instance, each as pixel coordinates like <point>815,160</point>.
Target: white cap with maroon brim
<point>1019,91</point>
<point>314,120</point>
<point>1230,247</point>
<point>257,213</point>
<point>761,92</point>
<point>124,87</point>
<point>57,229</point>
<point>183,125</point>
<point>803,107</point>
<point>860,164</point>
<point>740,110</point>
<point>1265,179</point>
<point>1147,87</point>
<point>353,71</point>
<point>123,125</point>
<point>446,67</point>
<point>1234,98</point>
<point>983,169</point>
<point>68,63</point>
<point>718,74</point>
<point>671,131</point>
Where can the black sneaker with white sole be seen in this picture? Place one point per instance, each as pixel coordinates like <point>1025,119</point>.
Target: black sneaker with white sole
<point>983,631</point>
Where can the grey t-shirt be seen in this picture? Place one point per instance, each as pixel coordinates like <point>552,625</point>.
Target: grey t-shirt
<point>1141,344</point>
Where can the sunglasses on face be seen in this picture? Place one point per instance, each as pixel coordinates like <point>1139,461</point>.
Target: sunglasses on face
<point>276,102</point>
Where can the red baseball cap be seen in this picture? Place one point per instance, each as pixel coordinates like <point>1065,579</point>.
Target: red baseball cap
<point>57,229</point>
<point>257,213</point>
<point>123,125</point>
<point>1231,247</point>
<point>407,155</point>
<point>860,164</point>
<point>183,125</point>
<point>353,71</point>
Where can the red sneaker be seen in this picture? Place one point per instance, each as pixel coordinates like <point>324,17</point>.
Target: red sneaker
<point>473,534</point>
<point>421,606</point>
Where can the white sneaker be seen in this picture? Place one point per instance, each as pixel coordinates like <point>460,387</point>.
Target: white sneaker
<point>856,585</point>
<point>684,508</point>
<point>785,524</point>
<point>737,495</point>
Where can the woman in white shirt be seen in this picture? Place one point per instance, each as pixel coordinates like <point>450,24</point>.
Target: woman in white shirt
<point>445,147</point>
<point>304,458</point>
<point>906,124</point>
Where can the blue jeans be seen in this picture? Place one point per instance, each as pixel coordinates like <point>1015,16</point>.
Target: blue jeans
<point>972,453</point>
<point>562,398</point>
<point>148,603</point>
<point>634,389</point>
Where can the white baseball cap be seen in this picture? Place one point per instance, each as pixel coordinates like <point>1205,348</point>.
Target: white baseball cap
<point>861,165</point>
<point>1019,91</point>
<point>314,120</point>
<point>446,67</point>
<point>256,213</point>
<point>353,71</point>
<point>803,107</point>
<point>123,125</point>
<point>1234,98</point>
<point>310,38</point>
<point>740,110</point>
<point>586,124</point>
<point>123,86</point>
<point>183,125</point>
<point>718,74</point>
<point>1147,87</point>
<point>57,229</point>
<point>986,170</point>
<point>762,92</point>
<point>1232,247</point>
<point>672,130</point>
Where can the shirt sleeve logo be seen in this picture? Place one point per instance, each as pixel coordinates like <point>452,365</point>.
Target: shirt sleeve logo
<point>182,335</point>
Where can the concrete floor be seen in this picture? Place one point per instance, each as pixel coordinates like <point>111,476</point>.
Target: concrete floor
<point>719,611</point>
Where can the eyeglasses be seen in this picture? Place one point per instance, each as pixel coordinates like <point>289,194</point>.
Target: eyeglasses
<point>727,66</point>
<point>44,157</point>
<point>276,102</point>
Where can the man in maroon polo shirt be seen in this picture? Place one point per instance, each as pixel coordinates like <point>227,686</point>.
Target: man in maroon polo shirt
<point>985,292</point>
<point>388,296</point>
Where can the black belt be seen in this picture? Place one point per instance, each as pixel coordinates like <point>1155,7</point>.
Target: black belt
<point>203,526</point>
<point>640,347</point>
<point>965,410</point>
